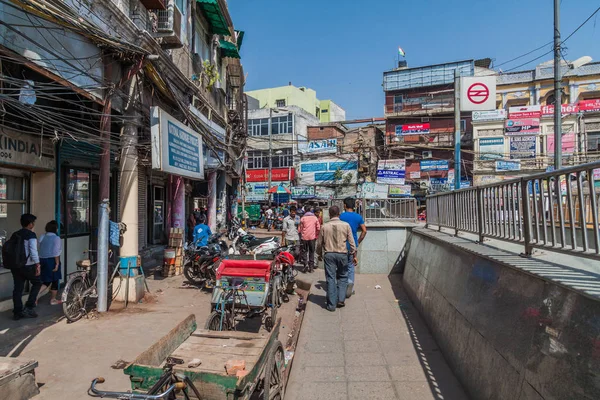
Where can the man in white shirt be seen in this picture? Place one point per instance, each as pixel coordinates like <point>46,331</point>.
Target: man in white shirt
<point>289,232</point>
<point>269,218</point>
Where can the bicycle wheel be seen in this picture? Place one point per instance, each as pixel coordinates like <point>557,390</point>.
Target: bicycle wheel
<point>213,323</point>
<point>73,298</point>
<point>273,388</point>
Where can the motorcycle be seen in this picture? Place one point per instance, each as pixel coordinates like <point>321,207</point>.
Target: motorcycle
<point>233,228</point>
<point>284,261</point>
<point>244,243</point>
<point>279,223</point>
<point>200,262</point>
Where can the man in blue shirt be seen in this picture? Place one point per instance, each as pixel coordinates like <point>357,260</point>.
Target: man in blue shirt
<point>201,232</point>
<point>356,222</point>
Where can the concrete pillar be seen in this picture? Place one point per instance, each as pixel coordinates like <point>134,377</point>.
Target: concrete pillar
<point>221,199</point>
<point>212,200</point>
<point>178,202</point>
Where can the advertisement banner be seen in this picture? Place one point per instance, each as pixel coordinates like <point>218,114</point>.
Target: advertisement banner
<point>589,105</point>
<point>522,147</point>
<point>522,126</point>
<point>400,191</point>
<point>321,146</point>
<point>303,192</point>
<point>412,129</point>
<point>176,148</point>
<point>520,112</point>
<point>391,172</point>
<point>277,174</point>
<point>258,191</point>
<point>434,165</point>
<point>372,190</point>
<point>491,148</point>
<point>20,149</point>
<point>415,175</point>
<point>567,143</point>
<point>508,165</point>
<point>333,171</point>
<point>324,193</point>
<point>481,116</point>
<point>564,109</point>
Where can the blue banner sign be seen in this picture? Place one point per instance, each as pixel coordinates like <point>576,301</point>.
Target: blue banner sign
<point>434,165</point>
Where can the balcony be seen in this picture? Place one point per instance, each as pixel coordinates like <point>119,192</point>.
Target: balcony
<point>165,26</point>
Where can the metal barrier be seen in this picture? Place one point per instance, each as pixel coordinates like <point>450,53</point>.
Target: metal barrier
<point>384,209</point>
<point>556,210</point>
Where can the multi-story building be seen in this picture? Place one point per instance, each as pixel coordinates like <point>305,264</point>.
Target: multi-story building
<point>303,97</point>
<point>419,113</point>
<point>518,138</point>
<point>139,103</point>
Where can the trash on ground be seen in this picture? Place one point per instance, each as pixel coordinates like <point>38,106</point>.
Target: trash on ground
<point>377,286</point>
<point>121,364</point>
<point>194,363</point>
<point>288,356</point>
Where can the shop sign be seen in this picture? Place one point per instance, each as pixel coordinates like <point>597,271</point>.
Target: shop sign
<point>412,129</point>
<point>415,175</point>
<point>522,147</point>
<point>212,158</point>
<point>567,143</point>
<point>259,191</point>
<point>262,175</point>
<point>589,105</point>
<point>564,109</point>
<point>19,149</point>
<point>491,148</point>
<point>597,177</point>
<point>508,165</point>
<point>391,172</point>
<point>324,193</point>
<point>496,115</point>
<point>303,192</point>
<point>434,165</point>
<point>400,190</point>
<point>176,148</point>
<point>522,126</point>
<point>520,112</point>
<point>372,190</point>
<point>333,171</point>
<point>322,146</point>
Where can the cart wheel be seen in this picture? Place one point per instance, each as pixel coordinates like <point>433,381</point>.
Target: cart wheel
<point>269,324</point>
<point>273,388</point>
<point>213,323</point>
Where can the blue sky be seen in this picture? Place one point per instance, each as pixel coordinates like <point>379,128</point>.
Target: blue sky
<point>340,48</point>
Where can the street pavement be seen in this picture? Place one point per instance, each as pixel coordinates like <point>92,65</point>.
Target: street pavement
<point>377,347</point>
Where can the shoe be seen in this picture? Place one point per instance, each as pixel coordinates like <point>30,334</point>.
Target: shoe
<point>341,304</point>
<point>17,317</point>
<point>331,309</point>
<point>350,290</point>
<point>55,302</point>
<point>29,313</point>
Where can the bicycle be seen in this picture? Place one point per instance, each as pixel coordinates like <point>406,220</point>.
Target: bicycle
<point>81,288</point>
<point>167,387</point>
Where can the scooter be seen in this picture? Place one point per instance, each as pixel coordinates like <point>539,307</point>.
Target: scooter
<point>200,262</point>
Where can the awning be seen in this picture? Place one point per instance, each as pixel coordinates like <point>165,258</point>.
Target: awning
<point>228,49</point>
<point>239,39</point>
<point>215,17</point>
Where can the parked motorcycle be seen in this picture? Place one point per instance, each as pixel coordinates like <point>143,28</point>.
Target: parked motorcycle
<point>244,243</point>
<point>200,263</point>
<point>234,225</point>
<point>279,223</point>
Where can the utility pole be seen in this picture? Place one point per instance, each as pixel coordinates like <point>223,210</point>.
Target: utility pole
<point>557,90</point>
<point>456,129</point>
<point>270,154</point>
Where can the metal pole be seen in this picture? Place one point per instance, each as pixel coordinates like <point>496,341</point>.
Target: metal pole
<point>557,91</point>
<point>270,154</point>
<point>456,129</point>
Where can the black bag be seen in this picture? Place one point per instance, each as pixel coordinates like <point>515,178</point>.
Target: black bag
<point>13,252</point>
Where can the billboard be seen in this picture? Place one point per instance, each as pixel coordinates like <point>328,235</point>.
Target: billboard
<point>589,105</point>
<point>508,165</point>
<point>519,112</point>
<point>520,126</point>
<point>372,190</point>
<point>322,146</point>
<point>434,165</point>
<point>522,147</point>
<point>303,192</point>
<point>564,109</point>
<point>332,171</point>
<point>277,174</point>
<point>412,129</point>
<point>495,115</point>
<point>400,191</point>
<point>391,172</point>
<point>491,148</point>
<point>567,143</point>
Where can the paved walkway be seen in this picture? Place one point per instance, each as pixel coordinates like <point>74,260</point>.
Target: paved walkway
<point>377,347</point>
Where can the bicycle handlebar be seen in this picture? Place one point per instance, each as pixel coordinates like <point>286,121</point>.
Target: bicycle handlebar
<point>132,396</point>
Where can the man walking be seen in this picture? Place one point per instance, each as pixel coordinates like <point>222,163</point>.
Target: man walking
<point>309,232</point>
<point>356,222</point>
<point>331,247</point>
<point>289,232</point>
<point>24,239</point>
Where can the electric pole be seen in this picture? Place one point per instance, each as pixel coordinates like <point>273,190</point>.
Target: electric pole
<point>270,154</point>
<point>557,89</point>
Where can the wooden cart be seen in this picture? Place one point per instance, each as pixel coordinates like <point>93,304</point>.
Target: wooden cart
<point>262,352</point>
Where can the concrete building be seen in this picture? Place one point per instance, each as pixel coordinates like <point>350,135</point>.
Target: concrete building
<point>527,96</point>
<point>303,97</point>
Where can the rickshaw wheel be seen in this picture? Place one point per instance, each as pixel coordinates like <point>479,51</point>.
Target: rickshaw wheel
<point>269,324</point>
<point>273,380</point>
<point>213,323</point>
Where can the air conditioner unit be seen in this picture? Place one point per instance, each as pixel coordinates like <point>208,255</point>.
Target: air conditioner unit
<point>425,119</point>
<point>166,26</point>
<point>409,155</point>
<point>427,154</point>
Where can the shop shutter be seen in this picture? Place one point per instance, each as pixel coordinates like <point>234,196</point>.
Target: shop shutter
<point>142,206</point>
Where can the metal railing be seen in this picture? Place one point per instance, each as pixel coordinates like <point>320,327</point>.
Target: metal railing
<point>557,211</point>
<point>404,209</point>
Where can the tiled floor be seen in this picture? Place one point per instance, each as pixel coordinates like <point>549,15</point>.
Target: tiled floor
<point>377,347</point>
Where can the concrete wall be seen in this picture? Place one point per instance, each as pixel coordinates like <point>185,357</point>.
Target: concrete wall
<point>294,96</point>
<point>380,251</point>
<point>507,334</point>
<point>42,200</point>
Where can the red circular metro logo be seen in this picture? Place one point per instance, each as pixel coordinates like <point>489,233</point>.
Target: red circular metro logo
<point>478,93</point>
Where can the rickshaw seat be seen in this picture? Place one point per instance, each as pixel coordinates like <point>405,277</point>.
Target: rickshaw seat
<point>245,268</point>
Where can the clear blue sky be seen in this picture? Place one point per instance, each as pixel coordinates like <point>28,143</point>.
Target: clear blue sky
<point>340,48</point>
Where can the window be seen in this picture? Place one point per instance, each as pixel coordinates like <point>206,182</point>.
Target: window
<point>284,159</point>
<point>398,101</point>
<point>593,141</point>
<point>77,204</point>
<point>201,42</point>
<point>325,111</point>
<point>280,103</point>
<point>258,127</point>
<point>279,125</point>
<point>13,202</point>
<point>463,125</point>
<point>283,125</point>
<point>180,5</point>
<point>259,159</point>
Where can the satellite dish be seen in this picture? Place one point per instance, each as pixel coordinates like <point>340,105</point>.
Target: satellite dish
<point>580,62</point>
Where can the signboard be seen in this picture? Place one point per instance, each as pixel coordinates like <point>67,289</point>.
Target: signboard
<point>20,149</point>
<point>522,147</point>
<point>491,148</point>
<point>213,159</point>
<point>589,105</point>
<point>412,129</point>
<point>325,193</point>
<point>522,126</point>
<point>481,116</point>
<point>256,191</point>
<point>372,190</point>
<point>564,109</point>
<point>400,190</point>
<point>277,174</point>
<point>415,175</point>
<point>333,171</point>
<point>508,165</point>
<point>322,146</point>
<point>434,165</point>
<point>567,143</point>
<point>519,112</point>
<point>597,178</point>
<point>478,93</point>
<point>391,172</point>
<point>303,192</point>
<point>176,148</point>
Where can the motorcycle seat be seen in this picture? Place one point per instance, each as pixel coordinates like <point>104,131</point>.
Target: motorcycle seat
<point>257,241</point>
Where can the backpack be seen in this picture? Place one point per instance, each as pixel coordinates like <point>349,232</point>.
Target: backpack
<point>13,252</point>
